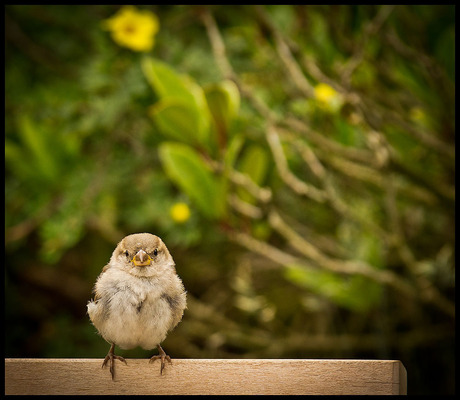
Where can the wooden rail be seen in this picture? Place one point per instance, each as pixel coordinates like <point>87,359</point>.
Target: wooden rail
<point>205,376</point>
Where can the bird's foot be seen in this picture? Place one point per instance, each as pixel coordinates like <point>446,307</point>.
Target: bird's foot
<point>111,357</point>
<point>162,356</point>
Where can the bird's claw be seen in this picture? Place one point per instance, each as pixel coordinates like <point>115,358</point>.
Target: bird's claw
<point>162,356</point>
<point>110,356</point>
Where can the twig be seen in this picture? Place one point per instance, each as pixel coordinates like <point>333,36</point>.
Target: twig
<point>371,29</point>
<point>430,69</point>
<point>310,158</point>
<point>428,291</point>
<point>365,174</point>
<point>286,175</point>
<point>335,265</point>
<point>285,54</point>
<point>265,249</point>
<point>245,208</point>
<point>361,155</point>
<point>429,140</point>
<point>217,44</point>
<point>344,267</point>
<point>263,194</point>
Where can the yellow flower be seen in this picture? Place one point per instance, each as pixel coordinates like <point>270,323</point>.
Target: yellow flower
<point>132,28</point>
<point>327,97</point>
<point>180,212</point>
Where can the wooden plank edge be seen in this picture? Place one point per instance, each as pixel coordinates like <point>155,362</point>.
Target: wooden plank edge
<point>332,369</point>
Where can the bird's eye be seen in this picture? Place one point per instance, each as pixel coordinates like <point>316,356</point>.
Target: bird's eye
<point>127,253</point>
<point>155,252</point>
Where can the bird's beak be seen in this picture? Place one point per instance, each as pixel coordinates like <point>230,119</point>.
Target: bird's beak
<point>141,259</point>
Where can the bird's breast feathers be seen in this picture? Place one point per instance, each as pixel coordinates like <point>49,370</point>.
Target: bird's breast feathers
<point>132,311</point>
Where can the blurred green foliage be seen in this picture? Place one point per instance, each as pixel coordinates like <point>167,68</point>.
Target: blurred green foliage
<point>313,146</point>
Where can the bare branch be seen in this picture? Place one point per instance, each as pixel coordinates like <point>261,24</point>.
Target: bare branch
<point>245,208</point>
<point>371,29</point>
<point>286,175</point>
<point>262,194</point>
<point>217,44</point>
<point>285,54</point>
<point>335,265</point>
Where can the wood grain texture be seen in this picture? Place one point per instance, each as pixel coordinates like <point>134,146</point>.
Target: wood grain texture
<point>205,376</point>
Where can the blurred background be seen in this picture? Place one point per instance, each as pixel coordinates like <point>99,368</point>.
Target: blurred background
<point>298,161</point>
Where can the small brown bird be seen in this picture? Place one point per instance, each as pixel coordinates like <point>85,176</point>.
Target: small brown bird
<point>138,297</point>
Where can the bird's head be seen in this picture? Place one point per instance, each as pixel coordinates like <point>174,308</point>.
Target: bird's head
<point>142,254</point>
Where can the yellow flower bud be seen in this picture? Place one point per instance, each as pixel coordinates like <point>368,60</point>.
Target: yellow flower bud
<point>180,212</point>
<point>327,97</point>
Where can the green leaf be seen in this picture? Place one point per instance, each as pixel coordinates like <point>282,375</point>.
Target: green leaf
<point>185,167</point>
<point>164,81</point>
<point>223,101</point>
<point>185,94</point>
<point>233,149</point>
<point>355,292</point>
<point>177,120</point>
<point>255,164</point>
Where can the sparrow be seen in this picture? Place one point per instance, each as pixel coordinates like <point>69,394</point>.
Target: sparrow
<point>138,298</point>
